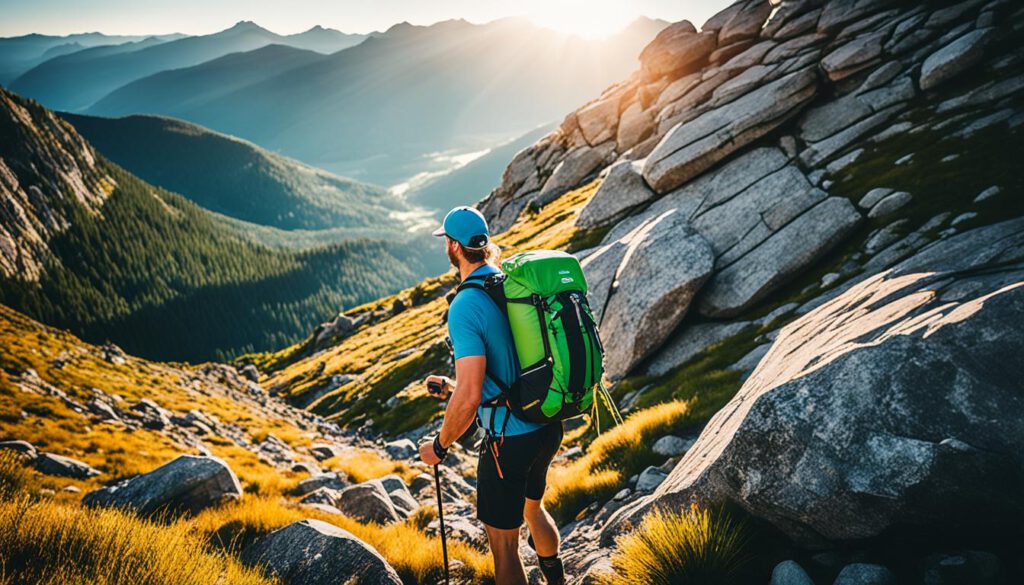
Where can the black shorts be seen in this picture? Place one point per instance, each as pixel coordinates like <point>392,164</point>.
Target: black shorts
<point>523,460</point>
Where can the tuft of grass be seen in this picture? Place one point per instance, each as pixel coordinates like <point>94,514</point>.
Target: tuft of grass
<point>48,542</point>
<point>15,477</point>
<point>364,464</point>
<point>611,459</point>
<point>682,547</point>
<point>415,556</point>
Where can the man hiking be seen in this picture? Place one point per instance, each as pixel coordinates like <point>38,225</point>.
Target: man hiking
<point>512,469</point>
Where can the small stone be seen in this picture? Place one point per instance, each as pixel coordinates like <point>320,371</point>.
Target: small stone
<point>828,279</point>
<point>650,479</point>
<point>865,574</point>
<point>790,573</point>
<point>905,159</point>
<point>52,464</point>
<point>889,204</point>
<point>988,194</point>
<point>621,495</point>
<point>672,446</point>
<point>950,157</point>
<point>401,449</point>
<point>962,218</point>
<point>873,196</point>
<point>323,451</point>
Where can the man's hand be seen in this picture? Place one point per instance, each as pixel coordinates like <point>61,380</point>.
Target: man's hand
<point>427,452</point>
<point>439,387</point>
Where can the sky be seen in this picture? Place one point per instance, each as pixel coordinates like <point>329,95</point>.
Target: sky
<point>591,18</point>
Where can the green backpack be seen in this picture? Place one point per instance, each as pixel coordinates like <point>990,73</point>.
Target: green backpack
<point>544,296</point>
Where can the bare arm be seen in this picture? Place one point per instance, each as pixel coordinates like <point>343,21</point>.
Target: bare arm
<point>469,380</point>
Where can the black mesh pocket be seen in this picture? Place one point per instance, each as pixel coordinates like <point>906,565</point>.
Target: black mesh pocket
<point>530,391</point>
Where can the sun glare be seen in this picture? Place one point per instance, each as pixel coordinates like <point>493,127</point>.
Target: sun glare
<point>591,19</point>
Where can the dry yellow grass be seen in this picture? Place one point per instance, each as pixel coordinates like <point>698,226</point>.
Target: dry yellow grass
<point>362,465</point>
<point>610,460</point>
<point>60,544</point>
<point>75,367</point>
<point>681,547</point>
<point>415,556</point>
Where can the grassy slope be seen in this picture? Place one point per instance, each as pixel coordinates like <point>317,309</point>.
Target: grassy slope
<point>52,426</point>
<point>235,177</point>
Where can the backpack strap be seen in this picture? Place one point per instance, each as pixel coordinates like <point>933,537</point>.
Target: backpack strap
<point>489,284</point>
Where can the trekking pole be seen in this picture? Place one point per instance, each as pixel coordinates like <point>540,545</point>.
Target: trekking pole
<point>440,516</point>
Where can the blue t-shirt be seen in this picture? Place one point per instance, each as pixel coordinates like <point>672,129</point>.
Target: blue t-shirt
<point>478,327</point>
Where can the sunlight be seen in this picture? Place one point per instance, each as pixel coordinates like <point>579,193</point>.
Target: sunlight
<point>592,19</point>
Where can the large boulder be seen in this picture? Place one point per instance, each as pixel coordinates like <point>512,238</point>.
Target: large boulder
<point>795,244</point>
<point>598,121</point>
<point>745,23</point>
<point>312,552</point>
<point>677,50</point>
<point>577,165</point>
<point>398,492</point>
<point>187,484</point>
<point>694,146</point>
<point>894,404</point>
<point>368,502</point>
<point>622,190</point>
<point>52,464</point>
<point>955,58</point>
<point>665,264</point>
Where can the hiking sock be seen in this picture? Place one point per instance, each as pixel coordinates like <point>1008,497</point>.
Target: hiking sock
<point>552,569</point>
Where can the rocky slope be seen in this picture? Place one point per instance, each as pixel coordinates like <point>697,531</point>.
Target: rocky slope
<point>805,139</point>
<point>36,208</point>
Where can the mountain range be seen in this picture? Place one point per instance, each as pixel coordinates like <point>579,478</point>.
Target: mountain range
<point>75,81</point>
<point>379,111</point>
<point>19,54</point>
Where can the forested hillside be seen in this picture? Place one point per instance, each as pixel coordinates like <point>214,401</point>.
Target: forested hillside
<point>234,177</point>
<point>122,260</point>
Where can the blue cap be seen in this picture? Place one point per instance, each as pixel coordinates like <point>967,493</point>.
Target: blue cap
<point>466,226</point>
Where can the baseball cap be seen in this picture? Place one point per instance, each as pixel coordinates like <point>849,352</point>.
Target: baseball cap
<point>466,226</point>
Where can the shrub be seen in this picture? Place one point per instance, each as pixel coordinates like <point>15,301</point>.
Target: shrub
<point>47,542</point>
<point>686,547</point>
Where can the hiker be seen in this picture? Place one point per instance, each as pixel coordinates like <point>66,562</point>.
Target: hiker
<point>514,459</point>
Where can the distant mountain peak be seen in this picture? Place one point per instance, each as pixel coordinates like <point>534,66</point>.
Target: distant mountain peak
<point>246,26</point>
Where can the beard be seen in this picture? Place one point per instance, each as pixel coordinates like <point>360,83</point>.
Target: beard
<point>452,257</point>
